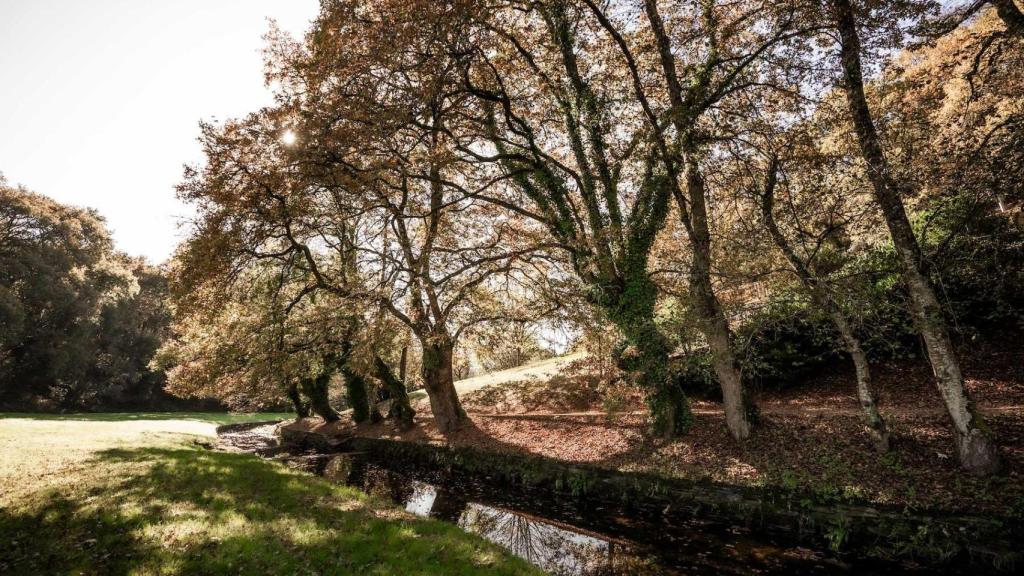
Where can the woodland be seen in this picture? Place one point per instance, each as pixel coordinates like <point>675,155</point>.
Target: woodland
<point>645,252</point>
<point>719,198</point>
<point>729,194</point>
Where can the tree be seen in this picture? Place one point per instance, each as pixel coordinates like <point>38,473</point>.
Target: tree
<point>256,211</point>
<point>236,346</point>
<point>975,449</point>
<point>79,320</point>
<point>129,332</point>
<point>378,149</point>
<point>594,187</point>
<point>809,267</point>
<point>956,116</point>
<point>602,189</point>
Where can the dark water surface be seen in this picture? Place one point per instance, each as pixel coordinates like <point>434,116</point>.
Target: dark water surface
<point>568,535</point>
<point>583,536</point>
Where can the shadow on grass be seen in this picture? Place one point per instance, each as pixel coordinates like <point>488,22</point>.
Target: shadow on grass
<point>211,417</point>
<point>191,512</point>
<point>60,537</point>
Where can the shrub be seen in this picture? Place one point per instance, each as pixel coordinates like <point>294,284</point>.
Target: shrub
<point>976,262</point>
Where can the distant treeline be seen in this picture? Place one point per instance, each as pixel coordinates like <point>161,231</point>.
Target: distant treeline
<point>79,321</point>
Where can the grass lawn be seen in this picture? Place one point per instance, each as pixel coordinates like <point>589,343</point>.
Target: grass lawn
<point>132,494</point>
<point>212,417</point>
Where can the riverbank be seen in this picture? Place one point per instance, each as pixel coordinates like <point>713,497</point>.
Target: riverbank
<point>138,496</point>
<point>810,452</point>
<point>810,438</point>
<point>723,528</point>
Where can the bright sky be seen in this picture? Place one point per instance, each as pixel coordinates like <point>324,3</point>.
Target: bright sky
<point>100,99</point>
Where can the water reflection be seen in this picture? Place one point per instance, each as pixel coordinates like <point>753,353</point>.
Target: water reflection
<point>422,499</point>
<point>555,548</point>
<point>564,536</point>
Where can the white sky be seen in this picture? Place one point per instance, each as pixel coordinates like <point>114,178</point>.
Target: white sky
<point>100,99</point>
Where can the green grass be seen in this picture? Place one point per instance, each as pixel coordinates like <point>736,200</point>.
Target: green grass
<point>214,417</point>
<point>136,496</point>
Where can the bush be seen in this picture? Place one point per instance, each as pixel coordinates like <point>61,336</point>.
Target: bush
<point>976,262</point>
<point>977,257</point>
<point>777,346</point>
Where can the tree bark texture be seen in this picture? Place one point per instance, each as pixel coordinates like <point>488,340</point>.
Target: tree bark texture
<point>438,379</point>
<point>316,389</point>
<point>401,409</point>
<point>975,449</point>
<point>739,413</point>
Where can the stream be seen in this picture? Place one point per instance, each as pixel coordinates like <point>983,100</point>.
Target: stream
<point>565,535</point>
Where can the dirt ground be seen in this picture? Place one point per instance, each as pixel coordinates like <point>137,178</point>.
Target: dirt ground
<point>810,437</point>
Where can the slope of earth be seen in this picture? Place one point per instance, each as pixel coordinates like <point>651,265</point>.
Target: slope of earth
<point>810,437</point>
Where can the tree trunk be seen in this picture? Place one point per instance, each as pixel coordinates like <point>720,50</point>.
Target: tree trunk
<point>875,422</point>
<point>363,408</point>
<point>440,385</point>
<point>631,308</point>
<point>403,365</point>
<point>401,409</point>
<point>301,408</point>
<point>316,390</point>
<point>1011,16</point>
<point>976,451</point>
<point>666,401</point>
<point>739,413</point>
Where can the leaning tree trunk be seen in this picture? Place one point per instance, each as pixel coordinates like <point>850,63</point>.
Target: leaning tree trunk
<point>316,389</point>
<point>739,413</point>
<point>440,384</point>
<point>976,451</point>
<point>401,409</point>
<point>363,408</point>
<point>301,408</point>
<point>876,424</point>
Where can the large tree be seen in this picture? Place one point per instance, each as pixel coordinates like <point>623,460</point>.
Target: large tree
<point>376,121</point>
<point>975,448</point>
<point>559,119</point>
<point>256,211</point>
<point>601,115</point>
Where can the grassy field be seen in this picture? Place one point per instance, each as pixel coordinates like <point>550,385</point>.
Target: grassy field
<point>210,417</point>
<point>133,494</point>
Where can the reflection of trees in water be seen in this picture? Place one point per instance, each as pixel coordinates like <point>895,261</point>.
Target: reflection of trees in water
<point>381,482</point>
<point>556,550</point>
<point>448,506</point>
<point>400,488</point>
<point>346,469</point>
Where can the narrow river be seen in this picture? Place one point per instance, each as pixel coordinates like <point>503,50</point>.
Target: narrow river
<point>564,535</point>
